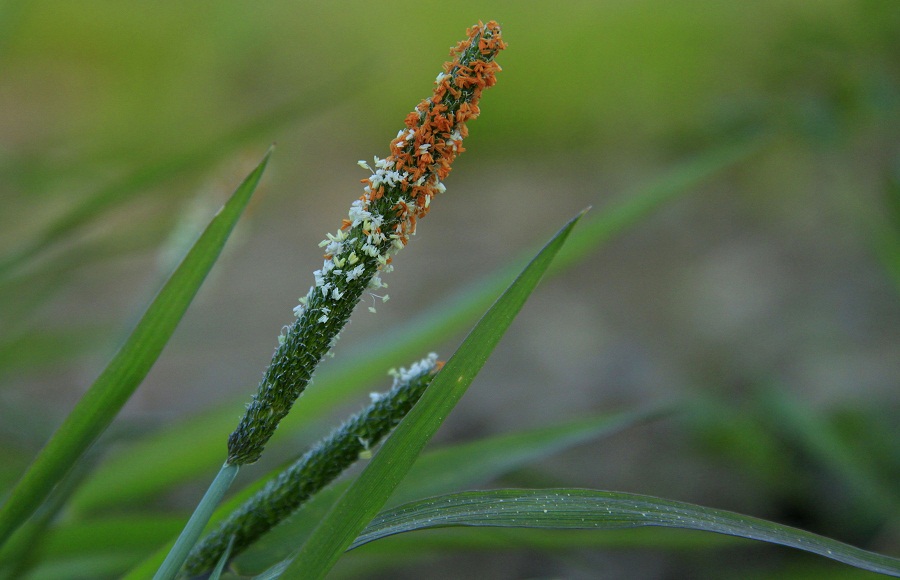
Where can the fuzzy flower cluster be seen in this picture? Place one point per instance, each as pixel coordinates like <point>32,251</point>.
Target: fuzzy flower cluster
<point>400,189</point>
<point>318,467</point>
<point>395,196</point>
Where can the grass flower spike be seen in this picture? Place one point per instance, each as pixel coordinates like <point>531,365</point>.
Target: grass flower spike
<point>380,223</point>
<point>317,468</point>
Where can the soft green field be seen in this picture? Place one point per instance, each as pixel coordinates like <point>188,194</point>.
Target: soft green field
<point>750,284</point>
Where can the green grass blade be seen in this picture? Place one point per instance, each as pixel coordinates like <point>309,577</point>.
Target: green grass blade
<point>731,431</point>
<point>165,463</point>
<point>448,469</point>
<point>99,406</point>
<point>131,533</point>
<point>373,487</point>
<point>619,218</point>
<point>818,439</point>
<point>605,510</point>
<point>44,347</point>
<point>474,538</point>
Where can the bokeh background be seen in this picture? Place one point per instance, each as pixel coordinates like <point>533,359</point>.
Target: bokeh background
<point>766,300</point>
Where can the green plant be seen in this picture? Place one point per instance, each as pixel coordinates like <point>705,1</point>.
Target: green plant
<point>353,513</point>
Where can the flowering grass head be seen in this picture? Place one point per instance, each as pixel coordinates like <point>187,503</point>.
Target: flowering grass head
<point>380,223</point>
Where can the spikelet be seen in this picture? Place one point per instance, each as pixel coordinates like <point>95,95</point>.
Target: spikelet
<point>379,224</point>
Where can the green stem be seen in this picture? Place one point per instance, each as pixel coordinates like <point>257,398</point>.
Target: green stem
<point>192,530</point>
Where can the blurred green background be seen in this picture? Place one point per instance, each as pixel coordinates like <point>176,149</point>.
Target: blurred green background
<point>767,298</point>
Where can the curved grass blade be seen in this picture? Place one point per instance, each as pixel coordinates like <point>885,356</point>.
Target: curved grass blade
<point>164,462</point>
<point>131,533</point>
<point>446,470</point>
<point>99,406</point>
<point>368,493</point>
<point>605,510</point>
<point>651,197</point>
<point>468,538</point>
<point>818,439</point>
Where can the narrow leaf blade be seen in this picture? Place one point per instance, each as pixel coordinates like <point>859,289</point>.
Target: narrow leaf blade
<point>605,510</point>
<point>99,406</point>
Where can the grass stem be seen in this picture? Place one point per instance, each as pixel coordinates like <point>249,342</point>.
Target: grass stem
<point>192,530</point>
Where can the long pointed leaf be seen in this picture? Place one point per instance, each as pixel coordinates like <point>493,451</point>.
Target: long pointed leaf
<point>377,482</point>
<point>605,510</point>
<point>99,406</point>
<point>481,538</point>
